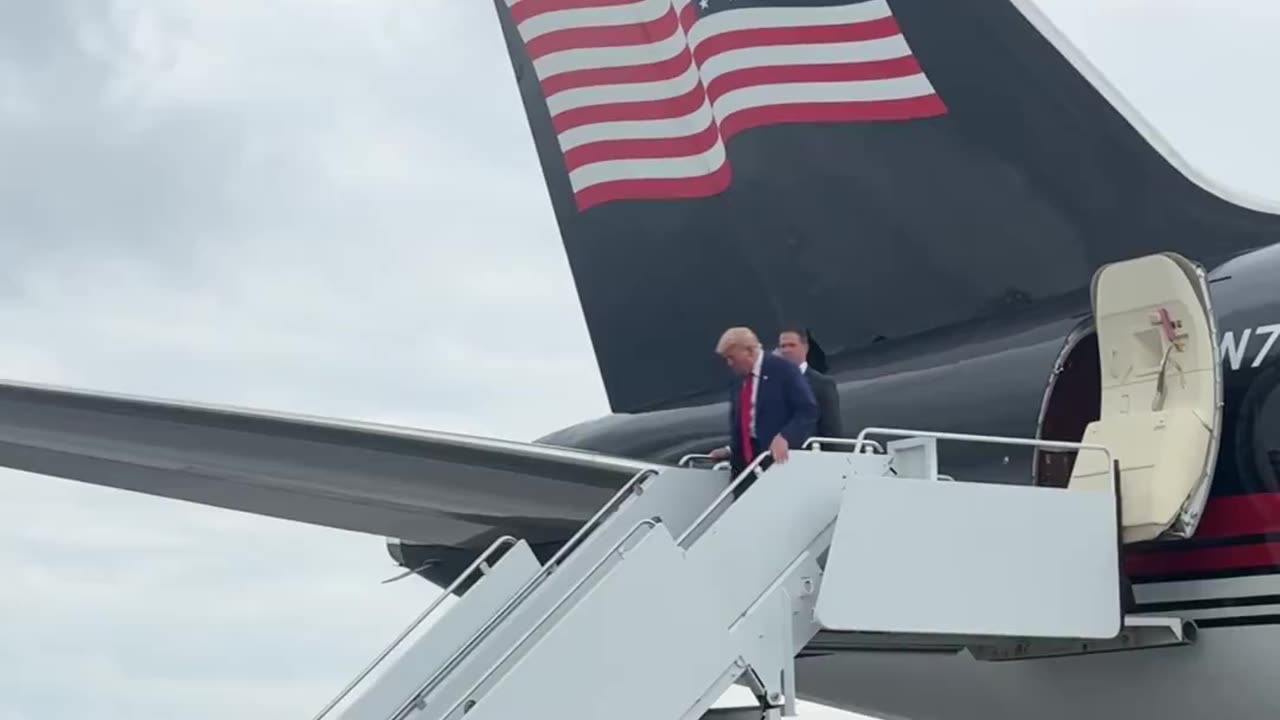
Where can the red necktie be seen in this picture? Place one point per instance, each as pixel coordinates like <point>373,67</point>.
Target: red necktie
<point>744,418</point>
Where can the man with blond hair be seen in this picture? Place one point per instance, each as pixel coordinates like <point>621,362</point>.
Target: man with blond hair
<point>770,408</point>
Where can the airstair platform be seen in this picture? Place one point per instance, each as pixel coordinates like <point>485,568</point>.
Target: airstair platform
<point>675,591</point>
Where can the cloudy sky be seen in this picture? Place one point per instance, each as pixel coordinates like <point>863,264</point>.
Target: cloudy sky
<point>267,203</point>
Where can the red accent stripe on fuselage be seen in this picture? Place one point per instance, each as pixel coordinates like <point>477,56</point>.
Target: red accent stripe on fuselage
<point>1249,519</point>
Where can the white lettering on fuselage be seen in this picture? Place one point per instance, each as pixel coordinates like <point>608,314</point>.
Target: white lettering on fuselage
<point>1234,350</point>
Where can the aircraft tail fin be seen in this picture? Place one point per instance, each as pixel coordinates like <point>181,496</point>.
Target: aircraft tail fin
<point>866,168</point>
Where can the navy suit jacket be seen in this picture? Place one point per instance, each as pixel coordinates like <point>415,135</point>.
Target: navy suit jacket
<point>784,404</point>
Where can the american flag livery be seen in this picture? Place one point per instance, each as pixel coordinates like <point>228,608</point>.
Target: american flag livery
<point>643,94</point>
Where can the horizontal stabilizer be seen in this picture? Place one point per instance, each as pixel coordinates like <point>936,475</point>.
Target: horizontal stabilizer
<point>412,484</point>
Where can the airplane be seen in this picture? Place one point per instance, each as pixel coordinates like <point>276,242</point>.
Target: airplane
<point>982,236</point>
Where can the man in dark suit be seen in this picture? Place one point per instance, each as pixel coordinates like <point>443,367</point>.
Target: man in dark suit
<point>793,344</point>
<point>770,408</point>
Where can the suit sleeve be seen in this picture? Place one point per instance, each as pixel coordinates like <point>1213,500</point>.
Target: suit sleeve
<point>804,408</point>
<point>829,402</point>
<point>733,425</point>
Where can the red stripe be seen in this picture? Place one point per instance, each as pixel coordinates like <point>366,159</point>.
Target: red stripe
<point>1236,515</point>
<point>688,16</point>
<point>905,109</point>
<point>664,189</point>
<point>645,33</point>
<point>1224,517</point>
<point>641,33</point>
<point>677,147</point>
<point>1175,562</point>
<point>832,72</point>
<point>526,9</point>
<point>804,35</point>
<point>664,109</point>
<point>649,72</point>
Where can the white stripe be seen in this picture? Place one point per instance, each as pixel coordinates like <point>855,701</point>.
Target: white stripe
<point>649,168</point>
<point>778,55</point>
<point>694,122</point>
<point>821,92</point>
<point>1186,590</point>
<point>625,92</point>
<point>636,12</point>
<point>610,57</point>
<point>780,17</point>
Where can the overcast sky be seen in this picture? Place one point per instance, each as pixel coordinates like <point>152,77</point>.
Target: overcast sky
<point>333,206</point>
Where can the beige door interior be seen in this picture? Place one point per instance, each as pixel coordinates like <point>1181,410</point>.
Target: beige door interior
<point>1161,393</point>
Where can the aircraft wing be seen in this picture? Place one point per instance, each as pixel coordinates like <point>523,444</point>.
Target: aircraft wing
<point>416,485</point>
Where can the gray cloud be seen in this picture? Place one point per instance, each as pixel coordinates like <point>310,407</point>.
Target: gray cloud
<point>142,607</point>
<point>331,208</point>
<point>87,170</point>
<point>277,205</point>
<point>295,198</point>
<point>1199,77</point>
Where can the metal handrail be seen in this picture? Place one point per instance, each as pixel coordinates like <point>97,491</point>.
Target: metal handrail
<point>480,562</point>
<point>524,591</point>
<point>990,440</point>
<point>753,467</point>
<point>858,445</point>
<point>687,459</point>
<point>647,522</point>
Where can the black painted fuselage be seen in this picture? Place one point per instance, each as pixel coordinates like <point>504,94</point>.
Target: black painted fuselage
<point>941,259</point>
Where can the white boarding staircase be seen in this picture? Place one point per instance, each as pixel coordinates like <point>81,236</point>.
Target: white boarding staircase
<point>674,591</point>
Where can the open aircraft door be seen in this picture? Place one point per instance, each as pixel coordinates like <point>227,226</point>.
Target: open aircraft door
<point>1161,385</point>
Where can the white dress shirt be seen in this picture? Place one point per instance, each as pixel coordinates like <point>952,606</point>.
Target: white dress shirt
<point>755,390</point>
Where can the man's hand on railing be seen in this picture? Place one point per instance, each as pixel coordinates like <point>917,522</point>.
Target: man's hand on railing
<point>720,453</point>
<point>778,448</point>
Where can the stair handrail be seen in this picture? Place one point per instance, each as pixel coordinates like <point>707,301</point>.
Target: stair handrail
<point>989,439</point>
<point>479,635</point>
<point>651,523</point>
<point>858,444</point>
<point>687,460</point>
<point>479,563</point>
<point>754,467</point>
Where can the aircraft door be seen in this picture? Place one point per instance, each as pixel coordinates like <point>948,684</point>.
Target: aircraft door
<point>1161,405</point>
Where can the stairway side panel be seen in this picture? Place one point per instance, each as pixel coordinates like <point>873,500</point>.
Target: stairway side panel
<point>675,492</point>
<point>753,542</point>
<point>403,676</point>
<point>643,642</point>
<point>976,559</point>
